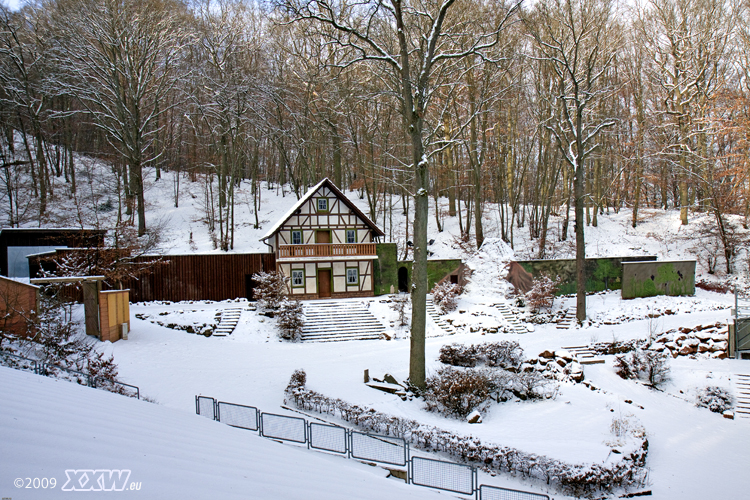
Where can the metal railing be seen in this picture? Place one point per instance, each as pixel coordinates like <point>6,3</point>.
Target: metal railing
<point>496,493</point>
<point>326,250</point>
<point>61,372</point>
<point>388,450</point>
<point>442,475</point>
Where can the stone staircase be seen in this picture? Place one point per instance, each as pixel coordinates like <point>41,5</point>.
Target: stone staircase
<point>437,319</point>
<point>229,319</point>
<point>742,382</point>
<point>511,317</point>
<point>339,320</point>
<point>585,355</point>
<point>567,321</point>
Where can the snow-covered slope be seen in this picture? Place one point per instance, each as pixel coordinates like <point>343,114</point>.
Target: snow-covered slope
<point>49,426</point>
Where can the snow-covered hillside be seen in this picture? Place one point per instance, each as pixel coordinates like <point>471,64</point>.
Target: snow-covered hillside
<point>183,228</point>
<point>50,426</point>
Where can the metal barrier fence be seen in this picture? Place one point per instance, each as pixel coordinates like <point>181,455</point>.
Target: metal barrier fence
<point>205,407</point>
<point>328,438</point>
<point>56,371</point>
<point>21,363</point>
<point>420,471</point>
<point>383,449</point>
<point>495,493</point>
<point>282,427</point>
<point>244,417</point>
<point>442,475</point>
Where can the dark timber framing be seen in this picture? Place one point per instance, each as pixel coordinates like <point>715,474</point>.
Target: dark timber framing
<point>337,255</point>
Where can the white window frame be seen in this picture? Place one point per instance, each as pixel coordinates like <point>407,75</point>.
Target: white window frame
<point>323,209</point>
<point>356,276</point>
<point>300,236</point>
<point>354,231</point>
<point>298,273</point>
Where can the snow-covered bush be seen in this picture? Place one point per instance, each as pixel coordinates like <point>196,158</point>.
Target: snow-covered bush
<point>270,289</point>
<point>542,293</point>
<point>445,296</point>
<point>524,386</point>
<point>648,366</point>
<point>716,399</point>
<point>289,319</point>
<point>573,479</point>
<point>401,303</point>
<point>458,355</point>
<point>503,354</point>
<point>457,392</point>
<point>59,342</point>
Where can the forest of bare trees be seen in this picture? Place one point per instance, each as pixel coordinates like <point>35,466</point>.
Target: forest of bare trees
<point>556,107</point>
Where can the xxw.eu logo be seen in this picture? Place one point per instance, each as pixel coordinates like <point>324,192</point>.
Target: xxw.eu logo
<point>96,480</point>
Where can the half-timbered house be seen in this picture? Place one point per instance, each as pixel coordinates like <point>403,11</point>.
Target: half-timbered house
<point>325,245</point>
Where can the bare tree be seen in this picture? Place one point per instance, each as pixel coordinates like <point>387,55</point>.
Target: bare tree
<point>580,40</point>
<point>118,59</point>
<point>414,42</point>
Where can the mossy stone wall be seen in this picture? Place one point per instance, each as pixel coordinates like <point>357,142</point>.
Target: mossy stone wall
<point>647,279</point>
<point>385,272</point>
<point>385,268</point>
<point>601,273</point>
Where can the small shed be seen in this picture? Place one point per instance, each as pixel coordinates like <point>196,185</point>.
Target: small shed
<point>18,304</point>
<point>17,243</point>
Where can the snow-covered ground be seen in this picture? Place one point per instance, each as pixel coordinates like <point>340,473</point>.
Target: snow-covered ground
<point>49,426</point>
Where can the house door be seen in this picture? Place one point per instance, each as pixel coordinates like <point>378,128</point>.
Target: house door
<point>322,236</point>
<point>324,283</point>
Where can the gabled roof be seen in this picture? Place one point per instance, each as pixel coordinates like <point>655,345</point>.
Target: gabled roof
<point>309,194</point>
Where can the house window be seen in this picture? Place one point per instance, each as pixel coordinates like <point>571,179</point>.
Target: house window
<point>322,204</point>
<point>352,276</point>
<point>296,237</point>
<point>351,235</point>
<point>298,277</point>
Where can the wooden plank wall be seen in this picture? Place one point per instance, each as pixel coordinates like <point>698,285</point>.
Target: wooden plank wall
<point>17,301</point>
<point>114,310</point>
<point>199,277</point>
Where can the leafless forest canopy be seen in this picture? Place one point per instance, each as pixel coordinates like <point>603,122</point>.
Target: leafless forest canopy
<point>557,107</point>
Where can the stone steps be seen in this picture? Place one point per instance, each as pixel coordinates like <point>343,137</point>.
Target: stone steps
<point>511,317</point>
<point>567,321</point>
<point>742,383</point>
<point>229,319</point>
<point>585,355</point>
<point>337,321</point>
<point>437,319</point>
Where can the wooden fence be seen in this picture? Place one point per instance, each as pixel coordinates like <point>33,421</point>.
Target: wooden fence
<point>18,301</point>
<point>174,277</point>
<point>199,277</point>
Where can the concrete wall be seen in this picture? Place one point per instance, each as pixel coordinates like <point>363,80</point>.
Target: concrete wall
<point>601,273</point>
<point>647,279</point>
<point>387,266</point>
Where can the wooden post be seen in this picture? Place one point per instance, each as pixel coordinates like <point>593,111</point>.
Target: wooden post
<point>91,291</point>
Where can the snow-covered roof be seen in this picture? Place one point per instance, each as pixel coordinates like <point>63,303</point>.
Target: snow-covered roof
<point>310,192</point>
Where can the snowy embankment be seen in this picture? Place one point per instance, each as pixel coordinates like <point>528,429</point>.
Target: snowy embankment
<point>49,426</point>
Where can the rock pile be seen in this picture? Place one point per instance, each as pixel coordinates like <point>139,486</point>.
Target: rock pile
<point>708,341</point>
<point>559,365</point>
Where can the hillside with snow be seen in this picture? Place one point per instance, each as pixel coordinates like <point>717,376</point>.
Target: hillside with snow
<point>50,426</point>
